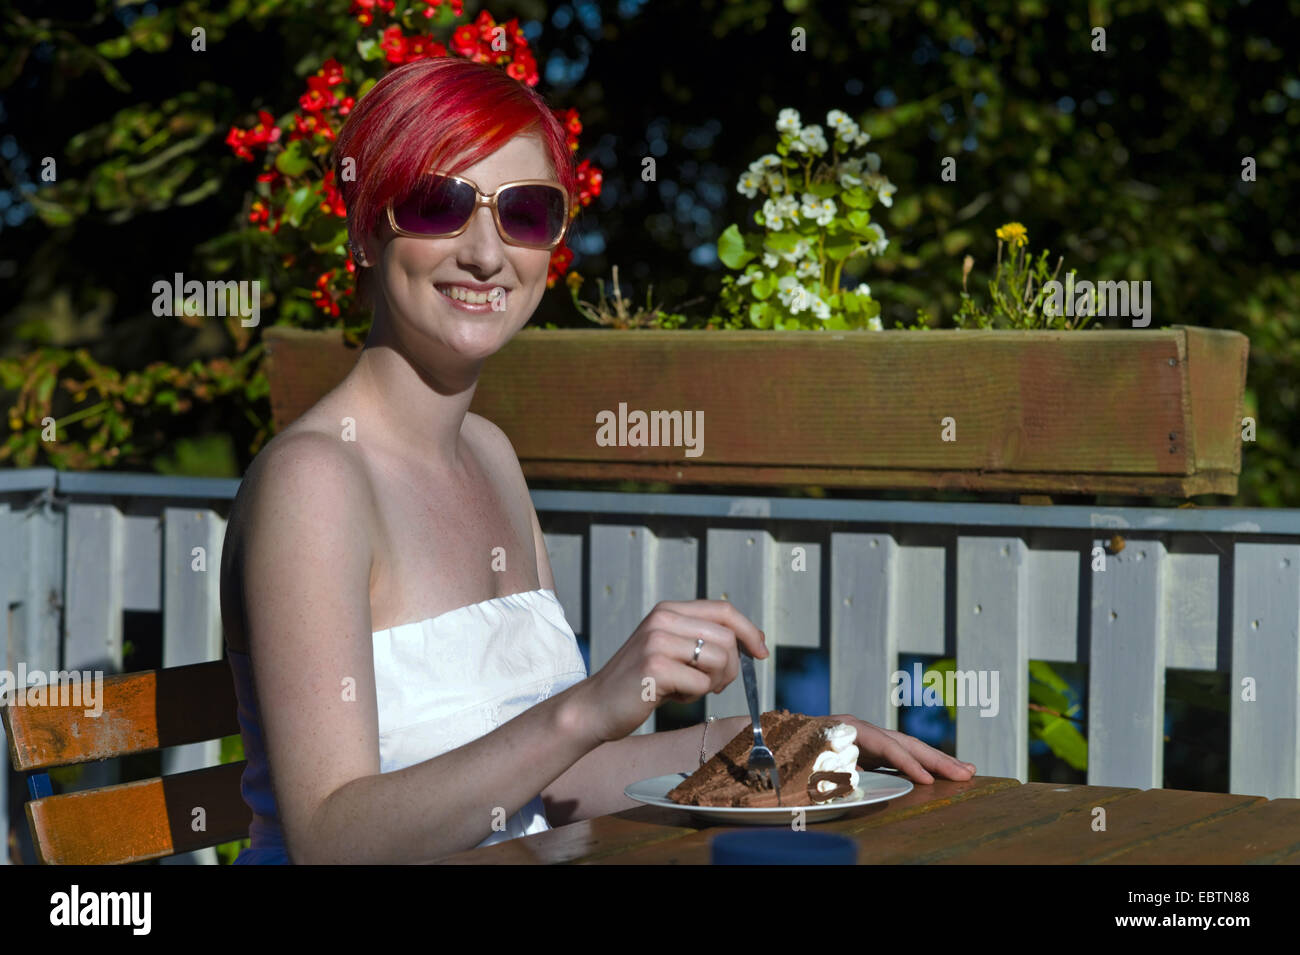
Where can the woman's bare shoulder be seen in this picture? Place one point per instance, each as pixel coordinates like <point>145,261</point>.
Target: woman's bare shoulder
<point>303,458</point>
<point>302,478</point>
<point>491,441</point>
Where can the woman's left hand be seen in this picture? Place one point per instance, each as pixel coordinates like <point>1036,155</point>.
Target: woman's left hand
<point>913,758</point>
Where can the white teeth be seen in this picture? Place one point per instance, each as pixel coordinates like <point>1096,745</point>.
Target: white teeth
<point>497,296</point>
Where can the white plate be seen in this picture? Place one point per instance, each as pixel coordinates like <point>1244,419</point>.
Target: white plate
<point>872,787</point>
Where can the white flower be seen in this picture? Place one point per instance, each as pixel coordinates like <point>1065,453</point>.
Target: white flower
<point>874,324</point>
<point>770,260</point>
<point>749,185</point>
<point>873,162</point>
<point>843,124</point>
<point>886,189</point>
<point>821,210</point>
<point>812,139</point>
<point>768,161</point>
<point>850,172</point>
<point>772,215</point>
<point>846,130</point>
<point>749,277</point>
<point>863,289</point>
<point>792,295</point>
<point>880,243</point>
<point>788,121</point>
<point>801,249</point>
<point>788,206</point>
<point>820,309</point>
<point>775,183</point>
<point>861,139</point>
<point>808,269</point>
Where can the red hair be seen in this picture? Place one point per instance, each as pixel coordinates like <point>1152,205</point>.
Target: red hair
<point>423,115</point>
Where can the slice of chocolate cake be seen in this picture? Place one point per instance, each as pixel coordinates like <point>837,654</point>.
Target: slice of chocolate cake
<point>815,756</point>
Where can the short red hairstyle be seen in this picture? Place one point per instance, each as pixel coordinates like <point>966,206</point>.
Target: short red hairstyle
<point>432,112</point>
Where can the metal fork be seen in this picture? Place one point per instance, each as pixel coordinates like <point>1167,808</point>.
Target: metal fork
<point>762,764</point>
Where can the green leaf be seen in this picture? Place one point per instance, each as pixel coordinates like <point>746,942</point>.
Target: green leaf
<point>291,160</point>
<point>369,49</point>
<point>840,248</point>
<point>942,667</point>
<point>822,190</point>
<point>731,249</point>
<point>859,220</point>
<point>779,242</point>
<point>115,48</point>
<point>299,204</point>
<point>1065,741</point>
<point>856,198</point>
<point>764,287</point>
<point>1040,671</point>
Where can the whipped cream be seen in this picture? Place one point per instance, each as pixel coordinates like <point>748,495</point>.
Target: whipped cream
<point>842,757</point>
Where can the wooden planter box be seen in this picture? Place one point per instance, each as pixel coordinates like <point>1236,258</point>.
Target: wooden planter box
<point>1084,412</point>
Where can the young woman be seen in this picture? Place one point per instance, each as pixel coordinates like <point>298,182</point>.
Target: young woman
<point>400,697</point>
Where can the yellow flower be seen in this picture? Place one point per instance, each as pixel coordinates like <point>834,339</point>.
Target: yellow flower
<point>573,280</point>
<point>1014,233</point>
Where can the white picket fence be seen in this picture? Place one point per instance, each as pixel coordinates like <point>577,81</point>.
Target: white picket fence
<point>993,585</point>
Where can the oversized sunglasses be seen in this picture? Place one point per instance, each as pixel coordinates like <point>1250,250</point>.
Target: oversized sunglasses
<point>533,213</point>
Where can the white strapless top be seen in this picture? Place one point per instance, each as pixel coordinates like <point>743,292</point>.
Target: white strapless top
<point>440,683</point>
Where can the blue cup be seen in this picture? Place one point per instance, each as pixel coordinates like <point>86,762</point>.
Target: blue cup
<point>782,847</point>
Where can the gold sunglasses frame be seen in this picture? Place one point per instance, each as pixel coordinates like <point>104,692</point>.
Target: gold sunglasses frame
<point>490,200</point>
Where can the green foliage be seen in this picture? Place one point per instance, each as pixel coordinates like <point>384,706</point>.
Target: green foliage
<point>1018,296</point>
<point>1127,162</point>
<point>1053,711</point>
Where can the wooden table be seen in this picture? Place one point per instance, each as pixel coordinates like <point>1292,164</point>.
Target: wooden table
<point>983,820</point>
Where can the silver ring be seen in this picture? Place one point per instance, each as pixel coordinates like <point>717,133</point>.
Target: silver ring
<point>699,645</point>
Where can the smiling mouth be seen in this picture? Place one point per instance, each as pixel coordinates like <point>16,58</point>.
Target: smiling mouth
<point>495,299</point>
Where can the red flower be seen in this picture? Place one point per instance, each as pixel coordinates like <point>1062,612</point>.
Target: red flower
<point>393,43</point>
<point>333,197</point>
<point>322,295</point>
<point>589,181</point>
<point>332,71</point>
<point>319,96</point>
<point>260,136</point>
<point>464,41</point>
<point>313,124</point>
<point>559,264</point>
<point>364,10</point>
<point>271,179</point>
<point>400,49</point>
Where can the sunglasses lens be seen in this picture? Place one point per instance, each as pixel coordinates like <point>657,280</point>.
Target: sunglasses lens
<point>532,214</point>
<point>439,206</point>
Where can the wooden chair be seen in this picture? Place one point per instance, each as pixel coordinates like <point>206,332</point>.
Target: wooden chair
<point>138,821</point>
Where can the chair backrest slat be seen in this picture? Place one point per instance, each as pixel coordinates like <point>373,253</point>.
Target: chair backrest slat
<point>140,712</point>
<point>148,819</point>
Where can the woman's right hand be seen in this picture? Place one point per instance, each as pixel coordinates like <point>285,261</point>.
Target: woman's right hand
<point>655,664</point>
